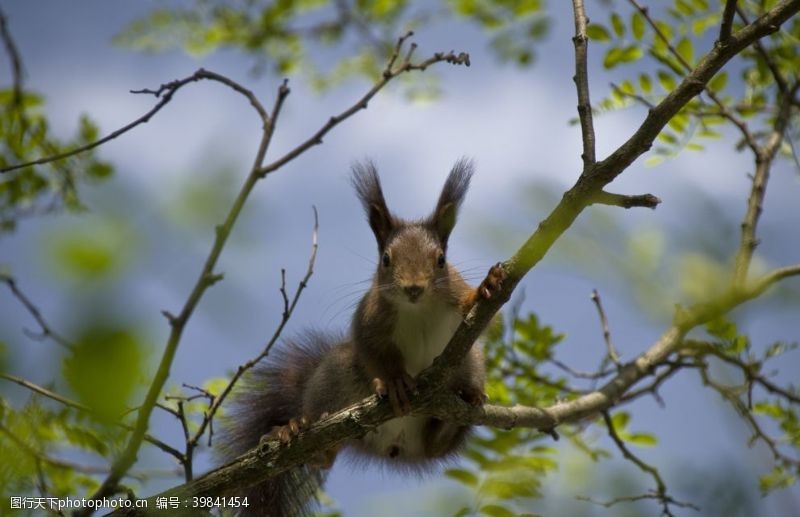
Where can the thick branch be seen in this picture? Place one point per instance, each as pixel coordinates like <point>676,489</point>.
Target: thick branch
<point>727,21</point>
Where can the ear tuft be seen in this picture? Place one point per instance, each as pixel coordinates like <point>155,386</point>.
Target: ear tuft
<point>368,188</point>
<point>455,188</point>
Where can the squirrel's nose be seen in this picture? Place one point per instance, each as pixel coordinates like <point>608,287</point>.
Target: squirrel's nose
<point>413,292</point>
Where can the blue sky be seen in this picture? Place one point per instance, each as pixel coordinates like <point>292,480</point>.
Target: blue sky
<point>513,123</point>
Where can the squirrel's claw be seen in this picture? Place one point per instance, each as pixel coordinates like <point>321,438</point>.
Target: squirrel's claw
<point>473,396</point>
<point>493,281</point>
<point>285,433</point>
<point>398,391</point>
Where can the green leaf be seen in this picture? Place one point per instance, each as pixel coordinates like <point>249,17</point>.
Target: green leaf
<point>620,420</point>
<point>718,82</point>
<point>685,49</point>
<point>495,510</point>
<point>598,32</point>
<point>465,477</point>
<point>612,58</point>
<point>506,489</point>
<point>666,81</point>
<point>668,138</point>
<point>642,439</point>
<point>618,25</point>
<point>769,409</point>
<point>645,83</point>
<point>631,53</point>
<point>103,369</point>
<point>637,25</point>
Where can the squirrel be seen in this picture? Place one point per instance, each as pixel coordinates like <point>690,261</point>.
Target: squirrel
<point>403,322</point>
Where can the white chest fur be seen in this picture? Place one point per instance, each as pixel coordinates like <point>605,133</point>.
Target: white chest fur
<point>421,332</point>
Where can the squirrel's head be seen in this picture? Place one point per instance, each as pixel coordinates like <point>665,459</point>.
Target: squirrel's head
<point>412,261</point>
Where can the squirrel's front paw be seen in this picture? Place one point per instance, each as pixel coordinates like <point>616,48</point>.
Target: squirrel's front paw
<point>473,396</point>
<point>492,282</point>
<point>398,390</point>
<point>285,433</point>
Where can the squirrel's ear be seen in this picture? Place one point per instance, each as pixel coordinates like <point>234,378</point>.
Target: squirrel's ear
<point>368,188</point>
<point>455,188</point>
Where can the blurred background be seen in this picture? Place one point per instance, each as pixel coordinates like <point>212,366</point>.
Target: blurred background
<point>139,241</point>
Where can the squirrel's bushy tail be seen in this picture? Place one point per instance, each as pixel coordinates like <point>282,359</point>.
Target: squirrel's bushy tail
<point>269,395</point>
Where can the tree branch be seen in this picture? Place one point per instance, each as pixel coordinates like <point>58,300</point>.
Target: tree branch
<point>661,488</point>
<point>165,92</point>
<point>612,351</point>
<point>287,313</point>
<point>764,157</point>
<point>727,21</point>
<point>624,201</point>
<point>33,310</point>
<point>389,73</point>
<point>581,78</point>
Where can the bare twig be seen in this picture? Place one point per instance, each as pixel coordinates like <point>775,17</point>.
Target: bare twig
<point>661,488</point>
<point>579,374</point>
<point>764,156</point>
<point>388,74</point>
<point>581,78</point>
<point>669,501</point>
<point>17,71</point>
<point>45,330</point>
<point>165,93</point>
<point>612,351</point>
<point>287,313</point>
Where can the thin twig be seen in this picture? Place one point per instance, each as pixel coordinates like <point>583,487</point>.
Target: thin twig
<point>764,158</point>
<point>581,78</point>
<point>17,71</point>
<point>579,374</point>
<point>287,313</point>
<point>388,74</point>
<point>33,310</point>
<point>661,488</point>
<point>165,92</point>
<point>612,352</point>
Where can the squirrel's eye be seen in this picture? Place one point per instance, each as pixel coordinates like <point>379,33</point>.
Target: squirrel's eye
<point>385,260</point>
<point>440,261</point>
